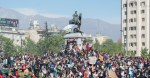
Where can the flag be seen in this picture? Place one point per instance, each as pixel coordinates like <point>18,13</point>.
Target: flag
<point>68,27</point>
<point>88,46</point>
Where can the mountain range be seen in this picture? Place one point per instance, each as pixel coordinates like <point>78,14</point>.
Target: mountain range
<point>89,26</point>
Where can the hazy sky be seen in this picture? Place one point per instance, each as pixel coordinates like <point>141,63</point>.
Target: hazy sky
<point>106,10</point>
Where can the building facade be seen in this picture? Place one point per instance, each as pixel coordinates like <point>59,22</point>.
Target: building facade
<point>100,38</point>
<point>135,25</point>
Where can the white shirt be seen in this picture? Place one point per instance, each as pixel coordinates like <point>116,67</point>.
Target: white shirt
<point>129,63</point>
<point>130,72</point>
<point>95,75</point>
<point>11,58</point>
<point>141,66</point>
<point>122,74</point>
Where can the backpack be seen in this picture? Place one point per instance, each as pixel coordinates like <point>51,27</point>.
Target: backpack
<point>117,72</point>
<point>51,69</point>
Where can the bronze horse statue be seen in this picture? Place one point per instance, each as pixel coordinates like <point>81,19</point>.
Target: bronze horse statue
<point>76,19</point>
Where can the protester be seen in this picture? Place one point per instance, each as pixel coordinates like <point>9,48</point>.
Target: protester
<point>73,62</point>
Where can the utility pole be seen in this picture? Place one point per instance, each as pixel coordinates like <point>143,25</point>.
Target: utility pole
<point>21,40</point>
<point>46,30</point>
<point>46,33</point>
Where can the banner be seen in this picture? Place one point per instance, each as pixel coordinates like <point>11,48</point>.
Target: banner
<point>9,22</point>
<point>68,27</point>
<point>92,60</point>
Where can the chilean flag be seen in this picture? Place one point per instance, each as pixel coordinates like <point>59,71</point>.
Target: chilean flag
<point>88,46</point>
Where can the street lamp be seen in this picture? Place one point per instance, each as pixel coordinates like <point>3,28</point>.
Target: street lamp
<point>21,40</point>
<point>124,41</point>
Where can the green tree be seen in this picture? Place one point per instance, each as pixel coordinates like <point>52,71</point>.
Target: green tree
<point>62,32</point>
<point>130,53</point>
<point>29,46</point>
<point>9,48</point>
<point>55,43</point>
<point>90,41</point>
<point>96,45</point>
<point>144,52</point>
<point>112,48</point>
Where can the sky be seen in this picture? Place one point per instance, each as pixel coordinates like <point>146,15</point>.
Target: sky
<point>106,10</point>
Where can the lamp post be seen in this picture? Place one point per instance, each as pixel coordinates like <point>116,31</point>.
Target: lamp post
<point>124,41</point>
<point>21,40</point>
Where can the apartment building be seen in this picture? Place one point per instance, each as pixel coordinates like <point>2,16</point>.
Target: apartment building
<point>135,25</point>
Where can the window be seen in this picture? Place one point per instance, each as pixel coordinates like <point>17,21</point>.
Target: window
<point>131,28</point>
<point>143,27</point>
<point>135,44</point>
<point>131,36</point>
<point>134,19</point>
<point>143,19</point>
<point>125,36</point>
<point>134,28</point>
<point>124,5</point>
<point>134,35</point>
<point>124,21</point>
<point>134,11</point>
<point>143,43</point>
<point>125,13</point>
<point>131,4</point>
<point>142,11</point>
<point>125,28</point>
<point>143,3</point>
<point>135,4</point>
<point>143,35</point>
<point>124,44</point>
<point>131,20</point>
<point>131,12</point>
<point>132,44</point>
<point>135,52</point>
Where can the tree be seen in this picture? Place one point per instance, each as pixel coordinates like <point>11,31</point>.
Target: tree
<point>9,48</point>
<point>55,43</point>
<point>112,48</point>
<point>90,41</point>
<point>96,45</point>
<point>130,53</point>
<point>119,40</point>
<point>144,52</point>
<point>62,32</point>
<point>29,46</point>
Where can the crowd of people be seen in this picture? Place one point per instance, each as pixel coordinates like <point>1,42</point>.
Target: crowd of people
<point>74,63</point>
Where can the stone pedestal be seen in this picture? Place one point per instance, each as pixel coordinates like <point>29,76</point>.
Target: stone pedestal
<point>78,36</point>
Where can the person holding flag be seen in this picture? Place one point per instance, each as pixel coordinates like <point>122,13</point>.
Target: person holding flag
<point>88,46</point>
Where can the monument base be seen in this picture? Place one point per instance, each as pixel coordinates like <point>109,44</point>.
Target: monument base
<point>79,38</point>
